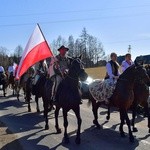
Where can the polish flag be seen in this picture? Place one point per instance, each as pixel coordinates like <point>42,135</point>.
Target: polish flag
<point>36,49</point>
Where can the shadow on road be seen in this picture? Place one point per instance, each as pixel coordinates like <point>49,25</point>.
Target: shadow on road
<point>94,139</point>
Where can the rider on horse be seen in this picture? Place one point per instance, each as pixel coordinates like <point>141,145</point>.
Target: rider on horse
<point>102,90</point>
<point>41,69</point>
<point>2,72</point>
<point>112,68</point>
<point>61,64</point>
<point>127,62</point>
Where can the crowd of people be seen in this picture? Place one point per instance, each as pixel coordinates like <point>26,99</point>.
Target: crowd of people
<point>58,66</point>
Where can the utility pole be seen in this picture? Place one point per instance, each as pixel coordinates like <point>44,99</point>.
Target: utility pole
<point>129,49</point>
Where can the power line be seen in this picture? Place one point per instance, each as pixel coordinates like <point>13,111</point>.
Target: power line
<point>73,11</point>
<point>74,20</point>
<point>127,41</point>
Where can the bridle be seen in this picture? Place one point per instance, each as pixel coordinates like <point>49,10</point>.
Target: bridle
<point>81,63</point>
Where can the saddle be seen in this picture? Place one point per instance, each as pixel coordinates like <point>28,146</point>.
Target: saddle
<point>102,90</point>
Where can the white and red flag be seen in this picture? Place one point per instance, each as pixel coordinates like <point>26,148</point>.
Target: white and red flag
<point>36,49</point>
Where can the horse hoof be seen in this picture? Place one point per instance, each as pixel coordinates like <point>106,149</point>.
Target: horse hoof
<point>38,111</point>
<point>107,117</point>
<point>97,124</point>
<point>29,110</point>
<point>46,127</point>
<point>66,140</point>
<point>51,108</point>
<point>135,129</point>
<point>78,141</point>
<point>58,131</point>
<point>131,139</point>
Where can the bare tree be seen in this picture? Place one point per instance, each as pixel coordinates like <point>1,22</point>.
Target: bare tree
<point>18,53</point>
<point>71,46</point>
<point>4,59</point>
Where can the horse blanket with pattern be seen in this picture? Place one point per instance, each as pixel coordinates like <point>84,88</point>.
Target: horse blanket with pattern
<point>102,90</point>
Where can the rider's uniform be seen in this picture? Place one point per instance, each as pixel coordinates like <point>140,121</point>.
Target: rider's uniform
<point>125,65</point>
<point>61,65</point>
<point>112,69</point>
<point>11,70</point>
<point>41,68</point>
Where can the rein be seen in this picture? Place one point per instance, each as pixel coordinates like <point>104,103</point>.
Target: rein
<point>76,79</point>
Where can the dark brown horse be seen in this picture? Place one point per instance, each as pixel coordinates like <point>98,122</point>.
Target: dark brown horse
<point>141,94</point>
<point>122,97</point>
<point>68,97</point>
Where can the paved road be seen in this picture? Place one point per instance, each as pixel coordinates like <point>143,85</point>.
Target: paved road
<point>29,128</point>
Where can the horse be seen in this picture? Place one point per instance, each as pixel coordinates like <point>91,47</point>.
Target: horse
<point>21,84</point>
<point>68,97</point>
<point>141,94</point>
<point>37,90</point>
<point>122,98</point>
<point>3,82</point>
<point>11,83</point>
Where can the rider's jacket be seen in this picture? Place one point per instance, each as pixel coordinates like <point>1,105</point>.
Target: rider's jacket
<point>112,70</point>
<point>125,65</point>
<point>62,65</point>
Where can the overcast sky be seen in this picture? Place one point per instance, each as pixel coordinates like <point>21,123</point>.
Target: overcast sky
<point>116,23</point>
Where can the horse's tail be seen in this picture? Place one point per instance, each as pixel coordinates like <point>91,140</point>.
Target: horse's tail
<point>89,103</point>
<point>89,100</point>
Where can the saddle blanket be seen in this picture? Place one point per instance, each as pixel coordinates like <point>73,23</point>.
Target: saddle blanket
<point>102,90</point>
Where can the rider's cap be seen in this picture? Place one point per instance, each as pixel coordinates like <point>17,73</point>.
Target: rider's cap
<point>63,47</point>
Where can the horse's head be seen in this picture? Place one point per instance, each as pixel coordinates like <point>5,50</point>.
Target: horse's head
<point>141,74</point>
<point>147,67</point>
<point>76,69</point>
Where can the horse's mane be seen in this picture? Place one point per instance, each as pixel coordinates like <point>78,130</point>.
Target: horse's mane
<point>127,71</point>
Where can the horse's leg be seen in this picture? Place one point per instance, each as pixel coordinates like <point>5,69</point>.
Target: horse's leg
<point>121,124</point>
<point>131,138</point>
<point>24,93</point>
<point>108,113</point>
<point>28,96</point>
<point>37,103</point>
<point>58,129</point>
<point>79,120</point>
<point>134,110</point>
<point>18,91</point>
<point>147,112</point>
<point>95,107</point>
<point>66,138</point>
<point>45,105</point>
<point>13,89</point>
<point>4,93</point>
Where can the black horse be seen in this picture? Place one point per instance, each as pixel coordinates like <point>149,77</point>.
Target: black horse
<point>68,97</point>
<point>122,97</point>
<point>11,83</point>
<point>3,82</point>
